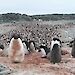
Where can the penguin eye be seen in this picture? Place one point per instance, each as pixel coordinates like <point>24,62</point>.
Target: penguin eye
<point>39,50</point>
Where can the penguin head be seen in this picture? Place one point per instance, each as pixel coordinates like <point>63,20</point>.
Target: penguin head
<point>55,41</point>
<point>31,42</point>
<point>1,46</point>
<point>16,36</point>
<point>55,46</point>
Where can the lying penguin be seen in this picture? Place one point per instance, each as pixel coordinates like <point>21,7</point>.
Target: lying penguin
<point>44,50</point>
<point>16,49</point>
<point>55,53</point>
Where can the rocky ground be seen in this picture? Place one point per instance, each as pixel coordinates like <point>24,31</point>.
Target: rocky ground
<point>40,32</point>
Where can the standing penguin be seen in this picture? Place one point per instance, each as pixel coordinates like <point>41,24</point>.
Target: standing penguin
<point>73,49</point>
<point>55,53</point>
<point>26,47</point>
<point>27,43</point>
<point>31,46</point>
<point>16,49</point>
<point>55,56</point>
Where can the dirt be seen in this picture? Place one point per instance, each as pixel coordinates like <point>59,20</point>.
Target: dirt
<point>33,64</point>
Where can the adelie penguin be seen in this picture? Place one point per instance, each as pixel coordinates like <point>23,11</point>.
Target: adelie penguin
<point>73,49</point>
<point>1,47</point>
<point>16,49</point>
<point>26,47</point>
<point>31,46</point>
<point>44,50</point>
<point>55,53</point>
<point>71,43</point>
<point>1,50</point>
<point>55,40</point>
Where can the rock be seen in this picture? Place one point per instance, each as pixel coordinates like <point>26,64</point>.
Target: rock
<point>4,70</point>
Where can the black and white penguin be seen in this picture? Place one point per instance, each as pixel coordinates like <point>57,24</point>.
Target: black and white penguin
<point>1,47</point>
<point>31,46</point>
<point>27,43</point>
<point>71,43</point>
<point>73,49</point>
<point>44,50</point>
<point>55,40</point>
<point>16,49</point>
<point>26,47</point>
<point>55,52</point>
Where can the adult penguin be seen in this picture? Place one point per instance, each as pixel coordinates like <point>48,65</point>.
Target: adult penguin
<point>44,50</point>
<point>26,47</point>
<point>31,46</point>
<point>73,49</point>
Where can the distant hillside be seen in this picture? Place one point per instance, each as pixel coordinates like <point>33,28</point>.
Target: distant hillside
<point>9,17</point>
<point>48,17</point>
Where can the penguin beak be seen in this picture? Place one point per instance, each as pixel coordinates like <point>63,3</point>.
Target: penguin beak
<point>38,50</point>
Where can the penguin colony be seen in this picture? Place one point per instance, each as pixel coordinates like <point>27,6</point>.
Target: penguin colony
<point>18,48</point>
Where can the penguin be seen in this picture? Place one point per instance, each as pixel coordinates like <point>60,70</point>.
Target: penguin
<point>71,43</point>
<point>16,49</point>
<point>6,48</point>
<point>55,51</point>
<point>26,47</point>
<point>27,43</point>
<point>55,54</point>
<point>55,40</point>
<point>32,46</point>
<point>73,49</point>
<point>1,47</point>
<point>44,50</point>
